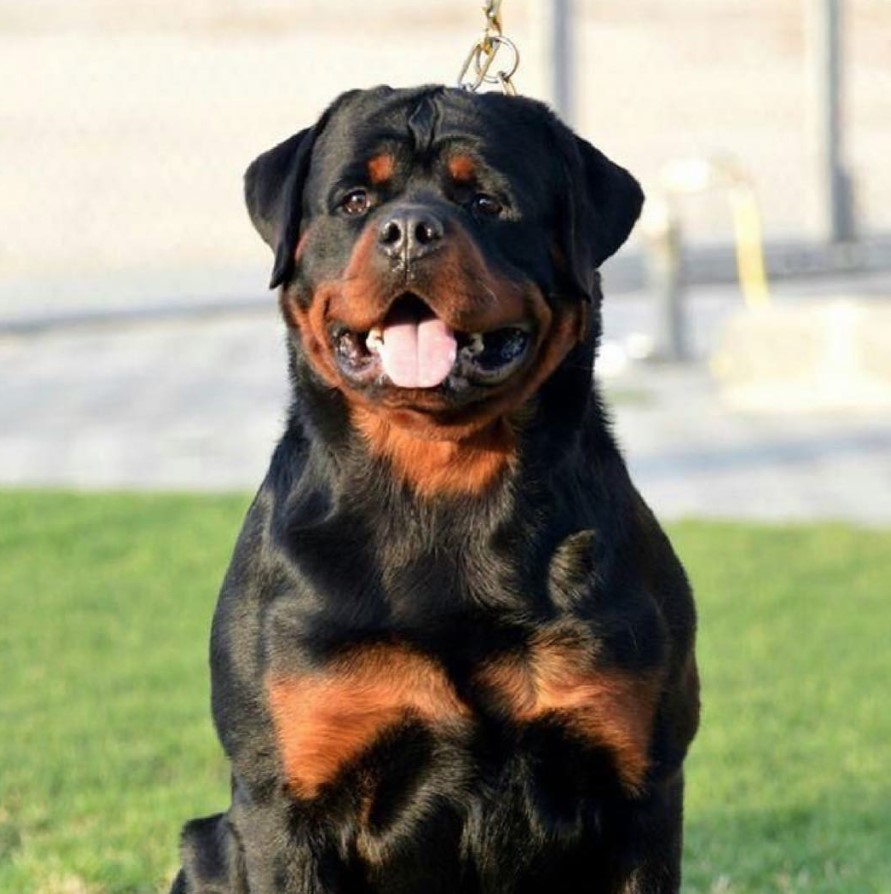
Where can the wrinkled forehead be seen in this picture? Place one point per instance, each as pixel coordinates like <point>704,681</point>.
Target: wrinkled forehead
<point>507,135</point>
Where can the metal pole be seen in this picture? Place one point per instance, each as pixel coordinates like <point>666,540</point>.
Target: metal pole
<point>551,30</point>
<point>835,185</point>
<point>665,274</point>
<point>562,56</point>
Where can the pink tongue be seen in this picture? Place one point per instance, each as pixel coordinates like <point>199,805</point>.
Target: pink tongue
<point>418,355</point>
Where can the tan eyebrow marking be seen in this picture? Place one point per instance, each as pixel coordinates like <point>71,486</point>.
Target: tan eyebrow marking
<point>462,168</point>
<point>381,168</point>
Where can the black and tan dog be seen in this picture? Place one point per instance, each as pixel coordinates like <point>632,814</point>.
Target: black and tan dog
<point>454,650</point>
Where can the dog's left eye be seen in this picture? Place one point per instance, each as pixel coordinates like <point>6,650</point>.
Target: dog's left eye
<point>486,205</point>
<point>355,202</point>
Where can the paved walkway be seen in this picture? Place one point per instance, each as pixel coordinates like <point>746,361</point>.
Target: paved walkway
<point>197,403</point>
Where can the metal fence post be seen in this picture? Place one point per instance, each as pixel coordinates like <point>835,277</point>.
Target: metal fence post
<point>834,184</point>
<point>664,263</point>
<point>562,53</point>
<point>552,30</point>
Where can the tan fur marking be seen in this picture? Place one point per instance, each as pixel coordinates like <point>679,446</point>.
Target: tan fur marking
<point>324,720</point>
<point>301,246</point>
<point>311,324</point>
<point>467,466</point>
<point>381,168</point>
<point>608,707</point>
<point>462,168</point>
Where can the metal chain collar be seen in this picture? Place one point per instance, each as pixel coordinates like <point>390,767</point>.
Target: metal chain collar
<point>483,53</point>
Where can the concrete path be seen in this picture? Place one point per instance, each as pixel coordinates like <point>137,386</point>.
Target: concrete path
<point>196,403</point>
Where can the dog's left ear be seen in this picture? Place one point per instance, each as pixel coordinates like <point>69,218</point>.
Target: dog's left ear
<point>604,204</point>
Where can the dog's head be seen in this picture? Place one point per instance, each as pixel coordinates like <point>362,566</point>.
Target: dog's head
<point>438,249</point>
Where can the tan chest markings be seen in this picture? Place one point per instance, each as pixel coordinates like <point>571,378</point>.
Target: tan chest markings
<point>607,707</point>
<point>325,719</point>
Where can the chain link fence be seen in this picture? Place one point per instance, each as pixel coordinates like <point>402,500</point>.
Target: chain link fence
<point>125,127</point>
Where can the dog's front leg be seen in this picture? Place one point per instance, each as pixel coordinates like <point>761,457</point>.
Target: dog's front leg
<point>652,861</point>
<point>212,859</point>
<point>284,852</point>
<point>261,845</point>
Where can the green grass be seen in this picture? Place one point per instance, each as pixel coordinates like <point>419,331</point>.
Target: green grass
<point>106,745</point>
<point>789,786</point>
<point>106,742</point>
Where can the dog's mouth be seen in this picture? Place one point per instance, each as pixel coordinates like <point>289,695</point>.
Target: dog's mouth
<point>413,348</point>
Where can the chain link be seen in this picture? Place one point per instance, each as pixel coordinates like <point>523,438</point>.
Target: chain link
<point>482,55</point>
<point>492,10</point>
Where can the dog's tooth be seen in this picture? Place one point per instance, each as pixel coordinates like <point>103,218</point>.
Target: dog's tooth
<point>374,340</point>
<point>475,344</point>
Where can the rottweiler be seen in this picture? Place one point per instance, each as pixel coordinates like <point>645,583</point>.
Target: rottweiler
<point>454,651</point>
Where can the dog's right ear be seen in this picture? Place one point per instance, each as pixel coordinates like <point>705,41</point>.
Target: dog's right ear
<point>273,190</point>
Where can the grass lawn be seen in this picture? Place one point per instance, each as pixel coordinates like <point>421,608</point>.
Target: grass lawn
<point>106,745</point>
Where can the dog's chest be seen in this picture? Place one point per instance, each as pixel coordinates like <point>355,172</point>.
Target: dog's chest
<point>331,719</point>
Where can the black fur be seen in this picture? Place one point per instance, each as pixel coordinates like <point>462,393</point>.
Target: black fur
<point>338,552</point>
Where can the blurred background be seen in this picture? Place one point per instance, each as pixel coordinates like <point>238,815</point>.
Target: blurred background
<point>134,321</point>
<point>746,361</point>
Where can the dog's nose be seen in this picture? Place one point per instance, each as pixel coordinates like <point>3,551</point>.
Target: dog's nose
<point>410,233</point>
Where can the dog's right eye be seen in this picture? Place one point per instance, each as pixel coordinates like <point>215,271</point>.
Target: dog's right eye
<point>486,205</point>
<point>355,203</point>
